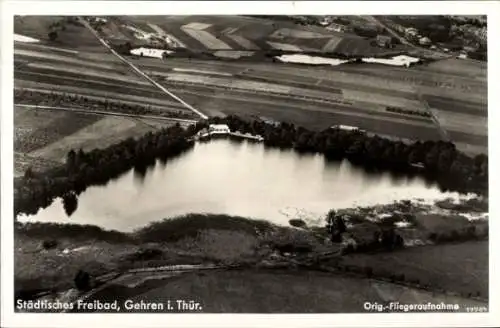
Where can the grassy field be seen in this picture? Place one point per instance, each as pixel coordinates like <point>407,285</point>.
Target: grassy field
<point>47,135</point>
<point>277,291</point>
<point>461,268</point>
<point>196,239</point>
<point>38,128</point>
<point>72,35</point>
<point>367,89</point>
<point>212,33</point>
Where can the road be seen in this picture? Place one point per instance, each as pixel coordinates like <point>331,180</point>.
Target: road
<point>159,86</point>
<point>98,112</point>
<point>391,31</point>
<point>405,41</point>
<point>442,131</point>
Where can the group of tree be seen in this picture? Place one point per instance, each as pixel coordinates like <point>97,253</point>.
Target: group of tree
<point>441,161</point>
<point>97,167</point>
<point>335,226</point>
<point>408,111</point>
<point>459,235</point>
<point>55,98</point>
<point>60,25</point>
<point>385,239</point>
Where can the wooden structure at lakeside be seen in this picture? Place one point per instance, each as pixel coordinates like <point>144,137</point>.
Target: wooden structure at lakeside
<point>215,130</point>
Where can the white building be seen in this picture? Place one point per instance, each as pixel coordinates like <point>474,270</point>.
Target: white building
<point>218,128</point>
<point>346,128</point>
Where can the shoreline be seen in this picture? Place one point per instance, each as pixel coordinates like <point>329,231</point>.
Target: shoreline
<point>454,172</point>
<point>200,240</point>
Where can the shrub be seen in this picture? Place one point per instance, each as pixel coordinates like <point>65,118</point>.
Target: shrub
<point>49,244</point>
<point>82,280</point>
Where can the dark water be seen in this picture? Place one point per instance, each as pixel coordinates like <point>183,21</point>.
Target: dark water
<point>236,178</point>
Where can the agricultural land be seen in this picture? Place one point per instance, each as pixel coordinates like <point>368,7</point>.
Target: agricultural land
<point>78,89</point>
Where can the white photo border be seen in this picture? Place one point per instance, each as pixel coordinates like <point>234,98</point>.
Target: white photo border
<point>11,8</point>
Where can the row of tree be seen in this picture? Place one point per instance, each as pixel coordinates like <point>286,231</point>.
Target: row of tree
<point>55,99</point>
<point>459,235</point>
<point>408,111</point>
<point>97,167</point>
<point>451,168</point>
<point>439,161</point>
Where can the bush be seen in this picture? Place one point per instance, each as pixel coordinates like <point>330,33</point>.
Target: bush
<point>52,35</point>
<point>49,244</point>
<point>82,281</point>
<point>145,254</point>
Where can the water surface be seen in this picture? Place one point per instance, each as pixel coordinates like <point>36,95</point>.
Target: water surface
<point>236,178</point>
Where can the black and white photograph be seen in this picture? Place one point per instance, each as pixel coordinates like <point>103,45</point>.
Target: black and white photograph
<point>250,163</point>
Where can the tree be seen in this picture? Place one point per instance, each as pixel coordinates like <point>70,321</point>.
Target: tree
<point>53,35</point>
<point>70,203</point>
<point>29,174</point>
<point>71,160</point>
<point>82,280</point>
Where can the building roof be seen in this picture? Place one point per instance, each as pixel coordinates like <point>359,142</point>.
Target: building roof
<point>218,126</point>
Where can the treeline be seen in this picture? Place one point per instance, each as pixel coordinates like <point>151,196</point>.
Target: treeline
<point>469,233</point>
<point>408,111</point>
<point>96,167</point>
<point>441,161</point>
<point>61,26</point>
<point>70,100</point>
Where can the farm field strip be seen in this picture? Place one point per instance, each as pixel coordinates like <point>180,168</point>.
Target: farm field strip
<point>445,265</point>
<point>228,83</point>
<point>93,64</point>
<point>218,90</point>
<point>66,81</point>
<point>312,86</point>
<point>431,79</point>
<point>243,42</point>
<point>331,45</point>
<point>355,95</point>
<point>456,106</point>
<point>97,84</point>
<point>42,47</point>
<point>473,75</point>
<point>333,83</point>
<point>463,123</point>
<point>201,72</point>
<point>103,133</point>
<point>45,134</point>
<point>334,76</point>
<point>205,38</point>
<point>284,46</point>
<point>162,32</point>
<point>255,85</point>
<point>423,72</point>
<point>458,67</point>
<point>479,99</point>
<point>168,66</point>
<point>112,75</point>
<point>206,98</point>
<point>150,118</point>
<point>307,90</point>
<point>322,119</point>
<point>96,95</point>
<point>468,138</point>
<point>95,54</point>
<point>65,59</point>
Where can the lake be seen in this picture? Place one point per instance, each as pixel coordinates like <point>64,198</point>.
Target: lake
<point>236,178</point>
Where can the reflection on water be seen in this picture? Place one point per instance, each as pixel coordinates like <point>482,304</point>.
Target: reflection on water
<point>235,178</point>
